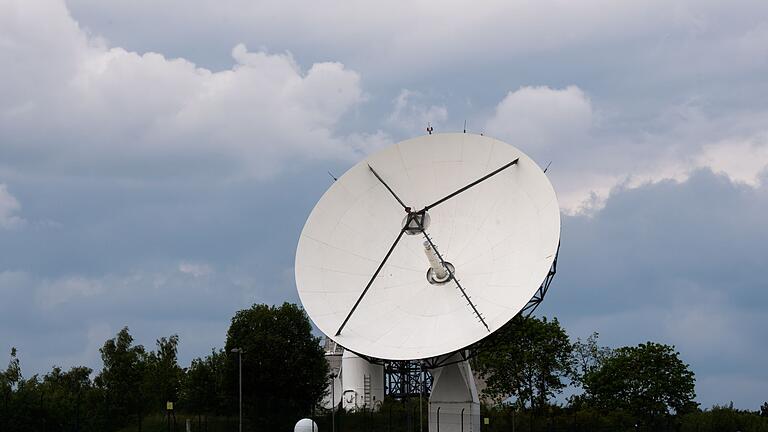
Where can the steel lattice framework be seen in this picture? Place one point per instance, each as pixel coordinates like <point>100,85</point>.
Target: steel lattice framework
<point>404,379</point>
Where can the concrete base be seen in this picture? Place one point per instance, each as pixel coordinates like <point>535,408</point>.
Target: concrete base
<point>454,405</point>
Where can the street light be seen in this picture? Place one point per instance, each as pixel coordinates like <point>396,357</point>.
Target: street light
<point>333,401</point>
<point>239,352</point>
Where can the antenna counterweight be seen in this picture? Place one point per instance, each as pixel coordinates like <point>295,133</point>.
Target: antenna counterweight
<point>439,273</point>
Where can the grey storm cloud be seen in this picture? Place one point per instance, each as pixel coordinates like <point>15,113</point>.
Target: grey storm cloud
<point>158,160</point>
<point>680,263</point>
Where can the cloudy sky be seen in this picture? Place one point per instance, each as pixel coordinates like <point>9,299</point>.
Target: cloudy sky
<point>158,159</point>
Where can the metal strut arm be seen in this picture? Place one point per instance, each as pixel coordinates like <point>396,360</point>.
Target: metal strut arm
<point>481,179</point>
<point>453,277</point>
<point>370,282</point>
<point>407,209</point>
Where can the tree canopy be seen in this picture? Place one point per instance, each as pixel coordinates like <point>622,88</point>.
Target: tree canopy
<point>205,388</point>
<point>121,377</point>
<point>588,356</point>
<point>648,380</point>
<point>284,368</point>
<point>645,387</point>
<point>528,358</point>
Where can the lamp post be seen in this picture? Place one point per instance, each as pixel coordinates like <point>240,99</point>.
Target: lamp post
<point>333,401</point>
<point>239,352</point>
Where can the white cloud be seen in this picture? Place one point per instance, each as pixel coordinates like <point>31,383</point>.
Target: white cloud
<point>555,125</point>
<point>412,115</point>
<point>743,160</point>
<point>591,158</point>
<point>119,112</point>
<point>735,146</point>
<point>195,269</point>
<point>364,143</point>
<point>55,293</point>
<point>538,117</point>
<point>9,209</point>
<point>404,38</point>
<point>110,108</point>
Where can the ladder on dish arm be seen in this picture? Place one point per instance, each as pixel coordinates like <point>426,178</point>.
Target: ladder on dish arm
<point>367,391</point>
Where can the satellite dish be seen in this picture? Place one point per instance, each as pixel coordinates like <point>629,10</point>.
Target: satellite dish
<point>427,246</point>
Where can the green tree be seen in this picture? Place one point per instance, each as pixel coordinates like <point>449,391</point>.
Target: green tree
<point>528,358</point>
<point>284,367</point>
<point>9,381</point>
<point>121,378</point>
<point>204,391</point>
<point>648,380</point>
<point>588,356</point>
<point>66,396</point>
<point>162,375</point>
<point>12,374</point>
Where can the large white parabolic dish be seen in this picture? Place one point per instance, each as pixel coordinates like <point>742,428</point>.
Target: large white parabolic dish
<point>501,236</point>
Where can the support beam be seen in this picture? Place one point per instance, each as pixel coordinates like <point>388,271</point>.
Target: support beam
<point>454,405</point>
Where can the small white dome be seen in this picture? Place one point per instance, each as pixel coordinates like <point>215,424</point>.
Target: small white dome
<point>305,425</point>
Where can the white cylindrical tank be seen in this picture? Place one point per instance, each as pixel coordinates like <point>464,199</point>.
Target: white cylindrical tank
<point>362,383</point>
<point>305,425</point>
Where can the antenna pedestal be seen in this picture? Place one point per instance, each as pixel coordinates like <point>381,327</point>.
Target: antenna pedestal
<point>454,405</point>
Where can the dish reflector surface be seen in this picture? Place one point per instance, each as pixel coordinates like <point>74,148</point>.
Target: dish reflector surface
<point>500,237</point>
